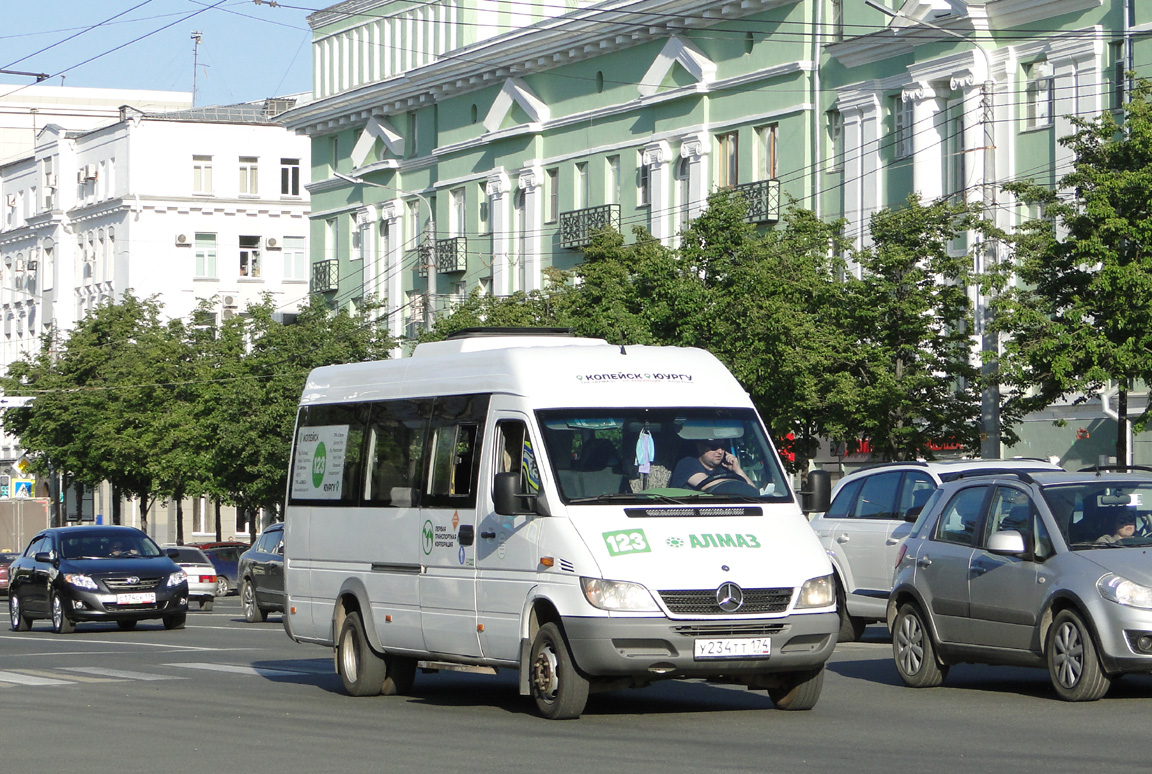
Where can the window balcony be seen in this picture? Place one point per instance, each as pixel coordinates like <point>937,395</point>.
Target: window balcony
<point>762,199</point>
<point>452,255</point>
<point>325,276</point>
<point>578,226</point>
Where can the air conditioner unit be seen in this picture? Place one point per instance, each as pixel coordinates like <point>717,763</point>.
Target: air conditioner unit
<point>33,265</point>
<point>90,172</point>
<point>271,243</point>
<point>182,240</point>
<point>19,264</point>
<point>229,302</point>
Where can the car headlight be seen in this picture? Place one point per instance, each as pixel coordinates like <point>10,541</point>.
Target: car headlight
<point>176,578</point>
<point>618,595</point>
<point>816,592</point>
<point>80,581</point>
<point>1124,592</point>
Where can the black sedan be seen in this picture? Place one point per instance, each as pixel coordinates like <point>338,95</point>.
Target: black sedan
<point>95,573</point>
<point>261,570</point>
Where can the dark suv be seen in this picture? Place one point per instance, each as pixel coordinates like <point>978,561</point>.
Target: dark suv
<point>261,571</point>
<point>96,573</point>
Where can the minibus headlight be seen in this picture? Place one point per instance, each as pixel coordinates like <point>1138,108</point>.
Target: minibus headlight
<point>618,595</point>
<point>816,592</point>
<point>1124,592</point>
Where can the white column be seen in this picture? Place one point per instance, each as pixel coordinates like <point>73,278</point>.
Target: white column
<point>661,221</point>
<point>392,277</point>
<point>696,149</point>
<point>371,272</point>
<point>500,217</point>
<point>531,183</point>
<point>927,144</point>
<point>861,136</point>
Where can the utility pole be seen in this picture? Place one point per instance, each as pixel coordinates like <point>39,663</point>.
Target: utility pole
<point>196,37</point>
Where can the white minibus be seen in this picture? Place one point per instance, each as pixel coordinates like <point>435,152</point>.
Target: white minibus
<point>593,516</point>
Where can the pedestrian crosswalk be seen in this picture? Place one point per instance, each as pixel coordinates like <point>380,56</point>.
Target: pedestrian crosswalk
<point>78,675</point>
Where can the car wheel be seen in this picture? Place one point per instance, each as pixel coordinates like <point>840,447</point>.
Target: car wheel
<point>559,690</point>
<point>222,587</point>
<point>127,625</point>
<point>61,623</point>
<point>1073,663</point>
<point>851,629</point>
<point>798,690</point>
<point>19,621</point>
<point>913,651</point>
<point>252,611</point>
<point>362,670</point>
<point>175,621</point>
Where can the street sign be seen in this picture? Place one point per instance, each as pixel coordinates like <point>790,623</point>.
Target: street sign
<point>15,401</point>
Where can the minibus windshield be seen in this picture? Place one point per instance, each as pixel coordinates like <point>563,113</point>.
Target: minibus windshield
<point>680,454</point>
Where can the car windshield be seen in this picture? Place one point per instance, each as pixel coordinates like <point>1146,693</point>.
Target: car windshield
<point>1103,514</point>
<point>107,545</point>
<point>662,455</point>
<point>186,555</point>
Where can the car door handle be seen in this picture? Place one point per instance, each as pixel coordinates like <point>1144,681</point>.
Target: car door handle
<point>842,538</point>
<point>892,541</point>
<point>923,562</point>
<point>488,535</point>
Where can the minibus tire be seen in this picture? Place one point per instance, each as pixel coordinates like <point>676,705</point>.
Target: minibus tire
<point>559,690</point>
<point>362,670</point>
<point>401,673</point>
<point>798,690</point>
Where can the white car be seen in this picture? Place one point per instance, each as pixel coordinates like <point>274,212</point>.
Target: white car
<point>201,574</point>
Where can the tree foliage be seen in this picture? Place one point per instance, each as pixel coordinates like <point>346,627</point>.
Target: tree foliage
<point>1078,320</point>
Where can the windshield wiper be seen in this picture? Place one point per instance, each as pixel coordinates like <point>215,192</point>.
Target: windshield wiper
<point>633,497</point>
<point>1094,544</point>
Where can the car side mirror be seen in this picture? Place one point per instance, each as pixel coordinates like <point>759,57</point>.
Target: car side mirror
<point>1007,541</point>
<point>43,557</point>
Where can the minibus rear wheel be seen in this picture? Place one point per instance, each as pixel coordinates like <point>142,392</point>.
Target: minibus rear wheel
<point>361,670</point>
<point>559,690</point>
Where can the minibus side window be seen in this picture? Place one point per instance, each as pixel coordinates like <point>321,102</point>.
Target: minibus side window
<point>343,425</point>
<point>395,444</point>
<point>515,454</point>
<point>453,465</point>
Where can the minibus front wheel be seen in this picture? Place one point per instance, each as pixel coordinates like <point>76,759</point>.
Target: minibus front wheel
<point>559,690</point>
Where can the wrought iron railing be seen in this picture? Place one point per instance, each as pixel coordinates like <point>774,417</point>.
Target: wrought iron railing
<point>763,200</point>
<point>452,254</point>
<point>578,226</point>
<point>325,276</point>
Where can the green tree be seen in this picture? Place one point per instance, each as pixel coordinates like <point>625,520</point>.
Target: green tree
<point>912,379</point>
<point>1079,319</point>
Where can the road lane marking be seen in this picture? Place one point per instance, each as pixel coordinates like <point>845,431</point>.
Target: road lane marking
<point>27,679</point>
<point>242,670</point>
<point>121,674</point>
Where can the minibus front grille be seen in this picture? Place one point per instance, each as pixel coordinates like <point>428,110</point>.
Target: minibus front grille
<point>704,602</point>
<point>729,630</point>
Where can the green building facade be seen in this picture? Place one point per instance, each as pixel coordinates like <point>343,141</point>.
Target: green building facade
<point>466,143</point>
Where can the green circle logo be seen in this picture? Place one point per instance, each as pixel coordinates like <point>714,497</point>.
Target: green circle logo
<point>319,465</point>
<point>426,537</point>
<point>675,542</point>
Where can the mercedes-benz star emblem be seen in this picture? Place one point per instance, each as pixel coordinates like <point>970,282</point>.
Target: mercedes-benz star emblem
<point>729,597</point>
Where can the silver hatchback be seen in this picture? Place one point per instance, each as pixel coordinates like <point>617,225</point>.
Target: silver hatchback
<point>1033,569</point>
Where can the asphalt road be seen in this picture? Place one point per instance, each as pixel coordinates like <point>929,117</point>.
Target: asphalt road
<point>226,696</point>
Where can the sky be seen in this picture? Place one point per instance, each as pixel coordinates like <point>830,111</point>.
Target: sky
<point>247,51</point>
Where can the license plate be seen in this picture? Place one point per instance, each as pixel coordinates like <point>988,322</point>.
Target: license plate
<point>742,647</point>
<point>136,599</point>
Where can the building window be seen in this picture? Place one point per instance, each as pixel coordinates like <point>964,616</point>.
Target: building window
<point>205,246</point>
<point>612,180</point>
<point>484,206</point>
<point>248,176</point>
<point>643,182</point>
<point>766,137</point>
<point>250,256</point>
<point>1038,96</point>
<point>413,131</point>
<point>835,140</point>
<point>580,186</point>
<point>683,189</point>
<point>289,177</point>
<point>1119,69</point>
<point>954,172</point>
<point>295,259</point>
<point>202,174</point>
<point>727,160</point>
<point>457,216</point>
<point>331,239</point>
<point>334,152</point>
<point>412,207</point>
<point>901,127</point>
<point>552,192</point>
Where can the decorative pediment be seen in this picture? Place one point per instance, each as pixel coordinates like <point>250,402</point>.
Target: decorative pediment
<point>517,100</point>
<point>914,11</point>
<point>377,129</point>
<point>677,51</point>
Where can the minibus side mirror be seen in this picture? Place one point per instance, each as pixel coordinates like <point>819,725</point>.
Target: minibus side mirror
<point>507,497</point>
<point>818,495</point>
